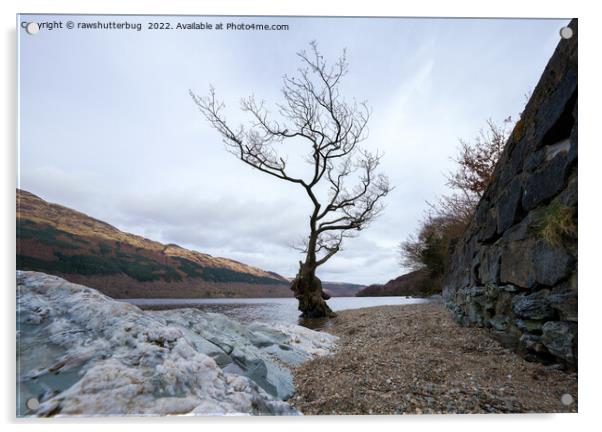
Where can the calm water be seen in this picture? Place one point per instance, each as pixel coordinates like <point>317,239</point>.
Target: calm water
<point>270,309</point>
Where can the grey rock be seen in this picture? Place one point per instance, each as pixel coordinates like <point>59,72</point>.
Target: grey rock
<point>561,146</point>
<point>533,343</point>
<point>476,291</point>
<point>533,306</point>
<point>546,182</point>
<point>517,232</point>
<point>517,158</point>
<point>503,305</point>
<point>556,105</point>
<point>233,368</point>
<point>560,338</point>
<point>551,263</point>
<point>526,262</point>
<point>487,299</point>
<point>474,313</point>
<point>224,346</point>
<point>499,322</point>
<point>258,349</point>
<point>535,160</point>
<point>262,335</point>
<point>162,362</point>
<point>509,288</point>
<point>270,376</point>
<point>489,268</point>
<point>287,355</point>
<point>93,355</point>
<point>489,226</point>
<point>531,326</point>
<point>213,351</point>
<point>569,196</point>
<point>565,302</point>
<point>508,205</point>
<point>480,215</point>
<point>516,266</point>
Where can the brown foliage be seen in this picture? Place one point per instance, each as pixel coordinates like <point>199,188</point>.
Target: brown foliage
<point>476,160</point>
<point>446,220</point>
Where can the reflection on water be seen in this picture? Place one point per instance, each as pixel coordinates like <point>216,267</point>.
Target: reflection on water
<point>271,309</point>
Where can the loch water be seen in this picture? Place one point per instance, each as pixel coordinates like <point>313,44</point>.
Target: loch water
<point>284,310</point>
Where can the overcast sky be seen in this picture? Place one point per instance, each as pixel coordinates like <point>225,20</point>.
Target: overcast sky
<point>107,126</point>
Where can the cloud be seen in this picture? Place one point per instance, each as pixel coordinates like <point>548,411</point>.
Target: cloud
<point>133,150</point>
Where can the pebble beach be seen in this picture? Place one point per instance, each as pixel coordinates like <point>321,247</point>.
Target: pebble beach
<point>415,359</point>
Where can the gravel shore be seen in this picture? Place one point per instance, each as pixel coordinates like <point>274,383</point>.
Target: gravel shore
<point>416,359</point>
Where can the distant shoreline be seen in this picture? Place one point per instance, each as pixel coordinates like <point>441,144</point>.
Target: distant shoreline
<point>283,310</point>
<point>209,300</point>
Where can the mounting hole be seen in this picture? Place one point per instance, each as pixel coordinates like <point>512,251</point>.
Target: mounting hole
<point>566,399</point>
<point>32,28</point>
<point>566,32</point>
<point>33,404</point>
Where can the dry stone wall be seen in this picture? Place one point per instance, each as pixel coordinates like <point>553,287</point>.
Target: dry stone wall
<point>515,268</point>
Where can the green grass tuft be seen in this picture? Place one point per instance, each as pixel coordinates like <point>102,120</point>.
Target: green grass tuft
<point>557,224</point>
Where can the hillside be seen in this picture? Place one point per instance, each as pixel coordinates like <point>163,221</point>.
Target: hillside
<point>64,242</point>
<point>341,289</point>
<point>410,284</point>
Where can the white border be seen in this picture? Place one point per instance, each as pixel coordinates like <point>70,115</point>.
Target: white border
<point>589,181</point>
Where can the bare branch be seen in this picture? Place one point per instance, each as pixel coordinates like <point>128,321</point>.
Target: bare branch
<point>313,111</point>
<point>250,146</point>
<point>330,244</point>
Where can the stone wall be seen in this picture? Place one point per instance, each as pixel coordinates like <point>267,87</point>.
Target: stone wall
<point>515,268</point>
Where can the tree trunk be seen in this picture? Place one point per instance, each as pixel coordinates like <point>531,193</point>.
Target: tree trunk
<point>308,290</point>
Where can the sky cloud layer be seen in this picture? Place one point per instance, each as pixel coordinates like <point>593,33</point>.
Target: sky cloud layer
<point>107,126</point>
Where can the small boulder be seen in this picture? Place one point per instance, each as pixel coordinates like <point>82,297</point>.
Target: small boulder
<point>533,306</point>
<point>499,322</point>
<point>560,338</point>
<point>533,343</point>
<point>516,266</point>
<point>545,183</point>
<point>530,326</point>
<point>565,302</point>
<point>552,264</point>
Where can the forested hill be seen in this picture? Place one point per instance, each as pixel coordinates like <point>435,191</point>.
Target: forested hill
<point>61,241</point>
<point>413,284</point>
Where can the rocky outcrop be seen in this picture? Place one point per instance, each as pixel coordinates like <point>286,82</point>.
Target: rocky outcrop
<point>515,268</point>
<point>82,353</point>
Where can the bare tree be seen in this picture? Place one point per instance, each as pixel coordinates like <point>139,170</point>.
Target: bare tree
<point>314,111</point>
